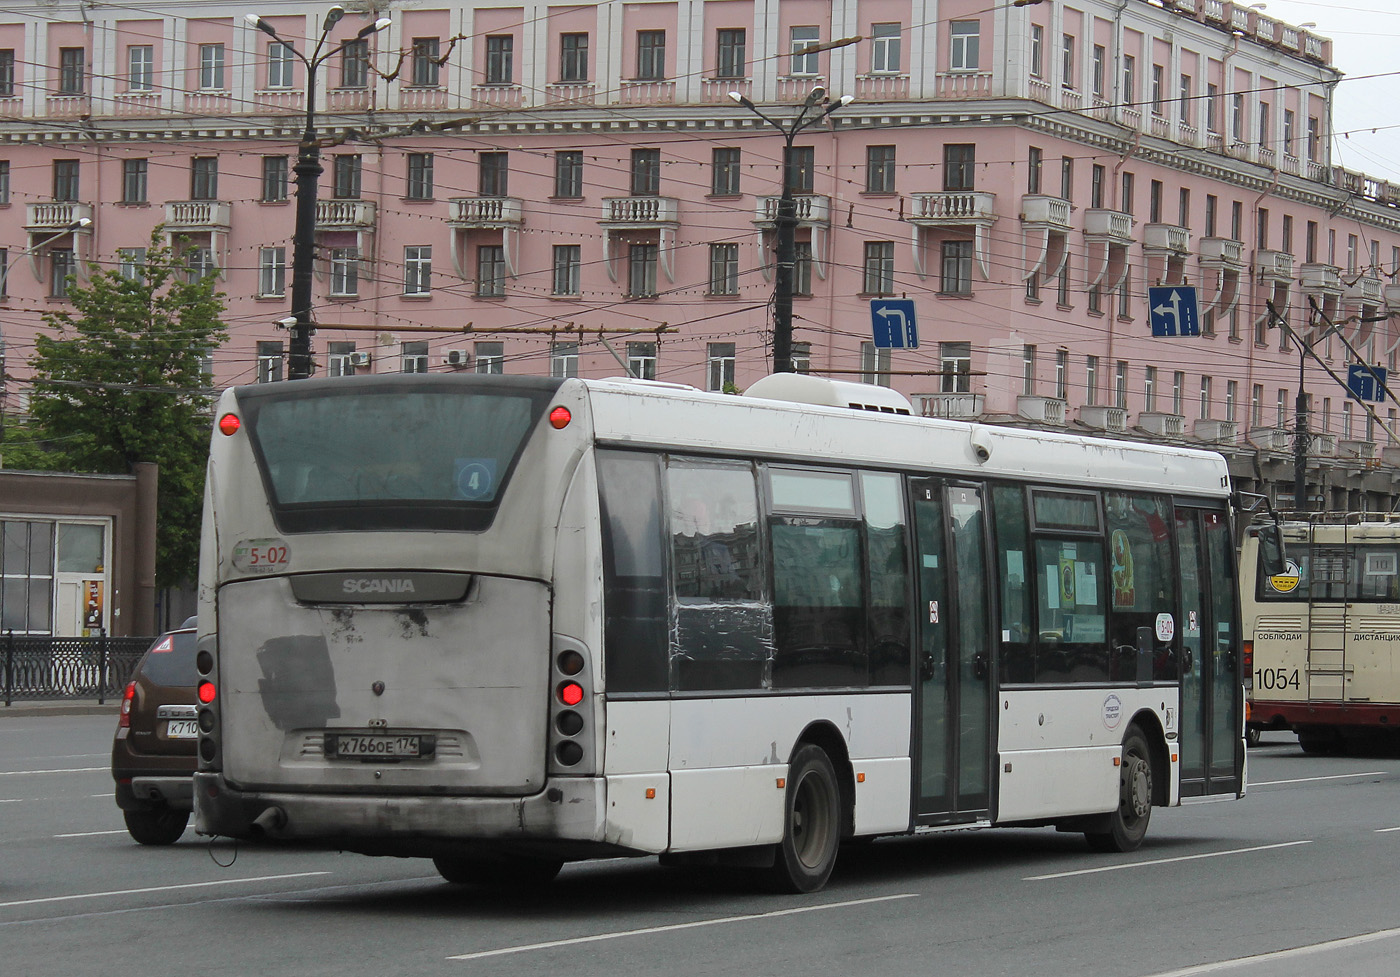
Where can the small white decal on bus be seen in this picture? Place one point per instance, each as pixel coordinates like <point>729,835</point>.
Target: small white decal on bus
<point>1112,712</point>
<point>261,555</point>
<point>1166,627</point>
<point>1287,581</point>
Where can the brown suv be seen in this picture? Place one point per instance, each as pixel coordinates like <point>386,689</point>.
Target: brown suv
<point>153,756</point>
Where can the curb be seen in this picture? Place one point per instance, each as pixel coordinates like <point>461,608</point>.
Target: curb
<point>60,709</point>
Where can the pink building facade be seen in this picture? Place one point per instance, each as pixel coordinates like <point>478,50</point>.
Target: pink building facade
<point>569,189</point>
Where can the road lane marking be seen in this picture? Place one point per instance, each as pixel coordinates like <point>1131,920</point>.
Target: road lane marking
<point>1381,831</point>
<point>1309,780</point>
<point>646,931</point>
<point>27,773</point>
<point>89,834</point>
<point>155,888</point>
<point>1297,951</point>
<point>1162,861</point>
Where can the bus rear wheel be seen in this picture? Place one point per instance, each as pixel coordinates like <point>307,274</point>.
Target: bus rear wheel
<point>511,874</point>
<point>1127,825</point>
<point>811,823</point>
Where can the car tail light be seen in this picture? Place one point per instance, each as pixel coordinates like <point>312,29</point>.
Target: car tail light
<point>128,694</point>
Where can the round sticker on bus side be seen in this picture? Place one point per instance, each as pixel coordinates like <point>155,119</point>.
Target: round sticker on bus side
<point>261,556</point>
<point>1166,627</point>
<point>1287,581</point>
<point>1112,712</point>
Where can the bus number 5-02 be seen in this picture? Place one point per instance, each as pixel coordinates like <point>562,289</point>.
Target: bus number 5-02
<point>1276,678</point>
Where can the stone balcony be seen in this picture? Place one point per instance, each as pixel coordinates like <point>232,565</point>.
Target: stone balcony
<point>810,209</point>
<point>1221,253</point>
<point>1112,226</point>
<point>640,212</point>
<point>1101,417</point>
<point>1162,425</point>
<point>1366,290</point>
<point>1169,238</point>
<point>55,215</point>
<point>953,208</point>
<point>1320,279</point>
<point>197,215</point>
<point>344,214</point>
<point>485,212</point>
<point>1274,266</point>
<point>1040,210</point>
<point>949,405</point>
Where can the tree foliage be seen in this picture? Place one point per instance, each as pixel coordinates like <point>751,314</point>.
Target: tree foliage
<point>122,381</point>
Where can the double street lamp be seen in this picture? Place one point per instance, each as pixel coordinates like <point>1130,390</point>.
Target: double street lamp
<point>308,171</point>
<point>814,109</point>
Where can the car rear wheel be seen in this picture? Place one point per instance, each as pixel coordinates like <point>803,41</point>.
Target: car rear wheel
<point>157,825</point>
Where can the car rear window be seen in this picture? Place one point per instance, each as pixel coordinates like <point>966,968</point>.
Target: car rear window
<point>170,661</point>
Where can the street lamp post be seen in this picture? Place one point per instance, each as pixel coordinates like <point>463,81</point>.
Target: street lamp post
<point>785,220</point>
<point>308,172</point>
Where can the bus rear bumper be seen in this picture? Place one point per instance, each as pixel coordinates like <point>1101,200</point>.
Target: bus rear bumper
<point>567,814</point>
<point>1291,715</point>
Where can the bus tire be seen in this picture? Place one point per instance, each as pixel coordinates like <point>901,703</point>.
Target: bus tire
<point>160,825</point>
<point>510,874</point>
<point>1252,735</point>
<point>811,823</point>
<point>1127,825</point>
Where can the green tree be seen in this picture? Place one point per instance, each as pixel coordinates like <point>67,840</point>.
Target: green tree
<point>122,381</point>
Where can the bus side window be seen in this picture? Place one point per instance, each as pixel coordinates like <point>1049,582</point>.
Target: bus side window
<point>1141,582</point>
<point>887,567</point>
<point>1017,626</point>
<point>634,576</point>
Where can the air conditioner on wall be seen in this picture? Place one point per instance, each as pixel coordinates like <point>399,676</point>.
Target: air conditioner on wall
<point>458,357</point>
<point>358,359</point>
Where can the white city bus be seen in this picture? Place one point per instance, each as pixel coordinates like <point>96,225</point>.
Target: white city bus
<point>1324,635</point>
<point>510,622</point>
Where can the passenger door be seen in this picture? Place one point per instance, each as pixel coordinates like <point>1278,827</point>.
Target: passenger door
<point>954,737</point>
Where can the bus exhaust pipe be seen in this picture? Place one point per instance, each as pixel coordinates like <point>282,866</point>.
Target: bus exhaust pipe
<point>269,822</point>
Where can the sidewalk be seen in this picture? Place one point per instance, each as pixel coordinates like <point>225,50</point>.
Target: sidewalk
<point>61,707</point>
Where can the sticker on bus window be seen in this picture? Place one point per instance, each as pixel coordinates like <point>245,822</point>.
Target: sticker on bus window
<point>261,556</point>
<point>1166,627</point>
<point>1287,581</point>
<point>475,478</point>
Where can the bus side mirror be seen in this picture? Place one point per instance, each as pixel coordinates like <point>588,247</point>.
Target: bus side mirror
<point>1272,556</point>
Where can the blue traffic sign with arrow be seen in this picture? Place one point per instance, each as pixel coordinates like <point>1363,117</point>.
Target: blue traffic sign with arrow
<point>1173,310</point>
<point>1366,382</point>
<point>893,323</point>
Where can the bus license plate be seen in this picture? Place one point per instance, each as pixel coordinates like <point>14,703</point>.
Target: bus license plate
<point>378,746</point>
<point>181,729</point>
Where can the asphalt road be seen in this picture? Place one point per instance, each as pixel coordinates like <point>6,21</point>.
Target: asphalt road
<point>1299,878</point>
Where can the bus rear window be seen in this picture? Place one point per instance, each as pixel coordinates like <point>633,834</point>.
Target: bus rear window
<point>390,454</point>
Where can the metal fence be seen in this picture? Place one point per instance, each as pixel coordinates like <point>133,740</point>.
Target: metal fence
<point>37,667</point>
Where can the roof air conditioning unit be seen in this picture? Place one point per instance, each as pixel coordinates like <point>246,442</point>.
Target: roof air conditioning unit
<point>458,357</point>
<point>358,359</point>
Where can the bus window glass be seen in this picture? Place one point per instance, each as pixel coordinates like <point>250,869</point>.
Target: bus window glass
<point>818,615</point>
<point>1066,510</point>
<point>1142,583</point>
<point>1070,611</point>
<point>1226,680</point>
<point>634,582</point>
<point>805,490</point>
<point>887,566</point>
<point>1377,576</point>
<point>1017,659</point>
<point>723,632</point>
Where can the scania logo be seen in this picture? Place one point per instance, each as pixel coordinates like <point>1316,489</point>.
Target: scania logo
<point>378,585</point>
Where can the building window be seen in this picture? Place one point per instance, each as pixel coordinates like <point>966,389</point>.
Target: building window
<point>566,269</point>
<point>879,169</point>
<point>1314,138</point>
<point>563,360</point>
<point>1237,117</point>
<point>1097,174</point>
<point>500,59</point>
<point>418,270</point>
<point>724,172</point>
<point>274,179</point>
<point>490,271</point>
<point>884,48</point>
<point>646,172</point>
<point>1066,177</point>
<point>719,366</point>
<point>1028,370</point>
<point>802,268</point>
<point>956,268</point>
<point>1094,299</point>
<point>1067,77</point>
<point>651,55</point>
<point>1120,385</point>
<point>875,364</point>
<point>641,271</point>
<point>211,66</point>
<point>345,272</point>
<point>199,263</point>
<point>879,268</point>
<point>1037,51</point>
<point>338,362</point>
<point>281,61</point>
<point>345,184</point>
<point>641,360</point>
<point>1205,398</point>
<point>731,58</point>
<point>955,367</point>
<point>490,358</point>
<point>1179,393</point>
<point>1149,389</point>
<point>269,361</point>
<point>131,263</point>
<point>204,178</point>
<point>134,173</point>
<point>1264,126</point>
<point>573,57</point>
<point>140,68</point>
<point>413,357</point>
<point>7,72</point>
<point>65,180</point>
<point>1130,81</point>
<point>964,39</point>
<point>493,174</point>
<point>1256,405</point>
<point>72,70</point>
<point>4,272</point>
<point>1184,102</point>
<point>801,357</point>
<point>1289,134</point>
<point>568,174</point>
<point>802,167</point>
<point>1126,203</point>
<point>1062,374</point>
<point>1091,380</point>
<point>1062,286</point>
<point>959,166</point>
<point>1212,209</point>
<point>1154,202</point>
<point>1212,107</point>
<point>1100,66</point>
<point>420,176</point>
<point>1232,388</point>
<point>354,64</point>
<point>724,269</point>
<point>272,272</point>
<point>427,62</point>
<point>1035,164</point>
<point>804,62</point>
<point>1125,296</point>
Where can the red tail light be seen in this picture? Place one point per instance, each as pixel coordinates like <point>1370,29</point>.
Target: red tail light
<point>128,694</point>
<point>1249,659</point>
<point>570,693</point>
<point>559,418</point>
<point>229,424</point>
<point>206,692</point>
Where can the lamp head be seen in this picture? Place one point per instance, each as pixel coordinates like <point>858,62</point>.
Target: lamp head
<point>373,28</point>
<point>332,17</point>
<point>253,20</point>
<point>816,95</point>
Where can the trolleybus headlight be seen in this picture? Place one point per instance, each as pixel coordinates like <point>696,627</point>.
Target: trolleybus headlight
<point>560,418</point>
<point>206,692</point>
<point>570,693</point>
<point>570,662</point>
<point>229,424</point>
<point>568,753</point>
<point>568,722</point>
